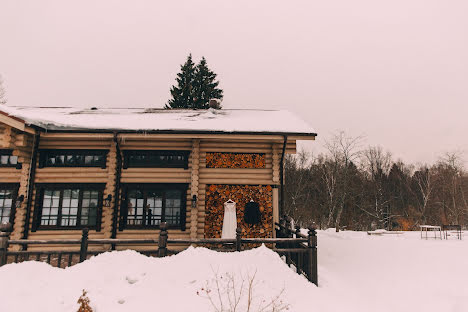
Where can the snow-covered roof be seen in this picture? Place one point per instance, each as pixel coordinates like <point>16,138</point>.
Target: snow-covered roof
<point>151,119</point>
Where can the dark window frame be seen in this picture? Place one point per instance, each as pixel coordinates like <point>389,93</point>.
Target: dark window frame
<point>127,162</point>
<point>164,187</point>
<point>39,200</point>
<point>9,152</point>
<point>15,188</point>
<point>44,154</point>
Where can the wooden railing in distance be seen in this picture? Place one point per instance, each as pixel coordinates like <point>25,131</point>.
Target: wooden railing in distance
<point>300,251</point>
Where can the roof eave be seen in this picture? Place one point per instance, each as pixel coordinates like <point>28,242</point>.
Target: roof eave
<point>81,130</point>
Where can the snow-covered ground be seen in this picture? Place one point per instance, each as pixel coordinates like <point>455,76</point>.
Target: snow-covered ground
<point>357,272</point>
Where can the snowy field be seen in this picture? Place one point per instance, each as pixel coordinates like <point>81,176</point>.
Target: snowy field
<point>357,272</point>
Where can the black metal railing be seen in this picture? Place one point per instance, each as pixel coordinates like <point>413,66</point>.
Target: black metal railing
<point>298,250</point>
<point>302,256</point>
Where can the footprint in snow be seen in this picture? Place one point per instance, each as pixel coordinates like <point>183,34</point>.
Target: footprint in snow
<point>131,280</point>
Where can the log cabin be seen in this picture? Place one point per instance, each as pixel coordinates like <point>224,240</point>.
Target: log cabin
<point>121,172</point>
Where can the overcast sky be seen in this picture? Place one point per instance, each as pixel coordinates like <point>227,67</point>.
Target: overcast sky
<point>393,71</point>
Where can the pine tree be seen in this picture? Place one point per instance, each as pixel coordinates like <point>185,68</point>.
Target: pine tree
<point>205,87</point>
<point>2,92</point>
<point>196,86</point>
<point>182,94</point>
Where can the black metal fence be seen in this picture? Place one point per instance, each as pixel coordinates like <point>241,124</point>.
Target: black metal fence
<point>299,250</point>
<point>302,256</point>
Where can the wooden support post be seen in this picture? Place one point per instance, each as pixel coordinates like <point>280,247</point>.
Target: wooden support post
<point>5,230</point>
<point>312,263</point>
<point>162,244</point>
<point>238,239</point>
<point>283,224</point>
<point>84,245</point>
<point>288,229</point>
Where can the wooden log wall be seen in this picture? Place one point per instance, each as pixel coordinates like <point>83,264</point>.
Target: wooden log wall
<point>159,175</point>
<point>194,185</point>
<point>77,175</point>
<point>197,176</point>
<point>21,145</point>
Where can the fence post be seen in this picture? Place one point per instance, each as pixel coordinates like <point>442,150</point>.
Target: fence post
<point>283,227</point>
<point>297,258</point>
<point>312,263</point>
<point>5,230</point>
<point>84,245</point>
<point>290,229</point>
<point>238,239</point>
<point>162,243</point>
<point>298,231</point>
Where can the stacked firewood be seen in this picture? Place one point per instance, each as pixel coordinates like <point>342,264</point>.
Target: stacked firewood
<point>218,194</point>
<point>235,160</point>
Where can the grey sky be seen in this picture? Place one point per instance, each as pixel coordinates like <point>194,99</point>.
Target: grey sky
<point>394,71</point>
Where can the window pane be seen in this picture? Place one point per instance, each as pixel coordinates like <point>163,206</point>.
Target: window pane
<point>69,207</point>
<point>13,160</point>
<point>153,206</point>
<point>7,159</point>
<point>135,207</point>
<point>153,211</point>
<point>4,159</point>
<point>88,160</point>
<point>73,158</point>
<point>6,202</point>
<point>173,206</point>
<point>89,208</point>
<point>61,159</point>
<point>50,206</point>
<point>62,207</point>
<point>156,158</point>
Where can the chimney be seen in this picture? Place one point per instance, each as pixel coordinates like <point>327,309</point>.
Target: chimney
<point>214,103</point>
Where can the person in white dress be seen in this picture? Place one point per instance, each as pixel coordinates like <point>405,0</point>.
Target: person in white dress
<point>230,220</point>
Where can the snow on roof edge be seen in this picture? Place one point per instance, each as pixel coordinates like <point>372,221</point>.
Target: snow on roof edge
<point>161,120</point>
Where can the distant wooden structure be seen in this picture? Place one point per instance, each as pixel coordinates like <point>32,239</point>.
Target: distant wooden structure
<point>121,173</point>
<point>436,229</point>
<point>456,228</point>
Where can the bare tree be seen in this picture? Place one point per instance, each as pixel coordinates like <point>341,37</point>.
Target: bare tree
<point>329,176</point>
<point>376,165</point>
<point>2,92</point>
<point>330,190</point>
<point>425,186</point>
<point>230,293</point>
<point>450,187</point>
<point>343,151</point>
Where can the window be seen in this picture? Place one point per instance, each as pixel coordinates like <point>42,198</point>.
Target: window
<point>161,159</point>
<point>69,206</point>
<point>8,160</point>
<point>7,202</point>
<point>73,158</point>
<point>149,205</point>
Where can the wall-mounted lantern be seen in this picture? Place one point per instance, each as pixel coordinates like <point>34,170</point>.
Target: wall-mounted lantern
<point>19,200</point>
<point>194,201</point>
<point>108,200</point>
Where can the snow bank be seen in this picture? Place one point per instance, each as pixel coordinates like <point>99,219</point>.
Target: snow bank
<point>129,281</point>
<point>357,273</point>
<point>394,272</point>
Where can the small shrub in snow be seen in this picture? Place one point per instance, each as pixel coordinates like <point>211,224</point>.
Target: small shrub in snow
<point>229,292</point>
<point>83,301</point>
